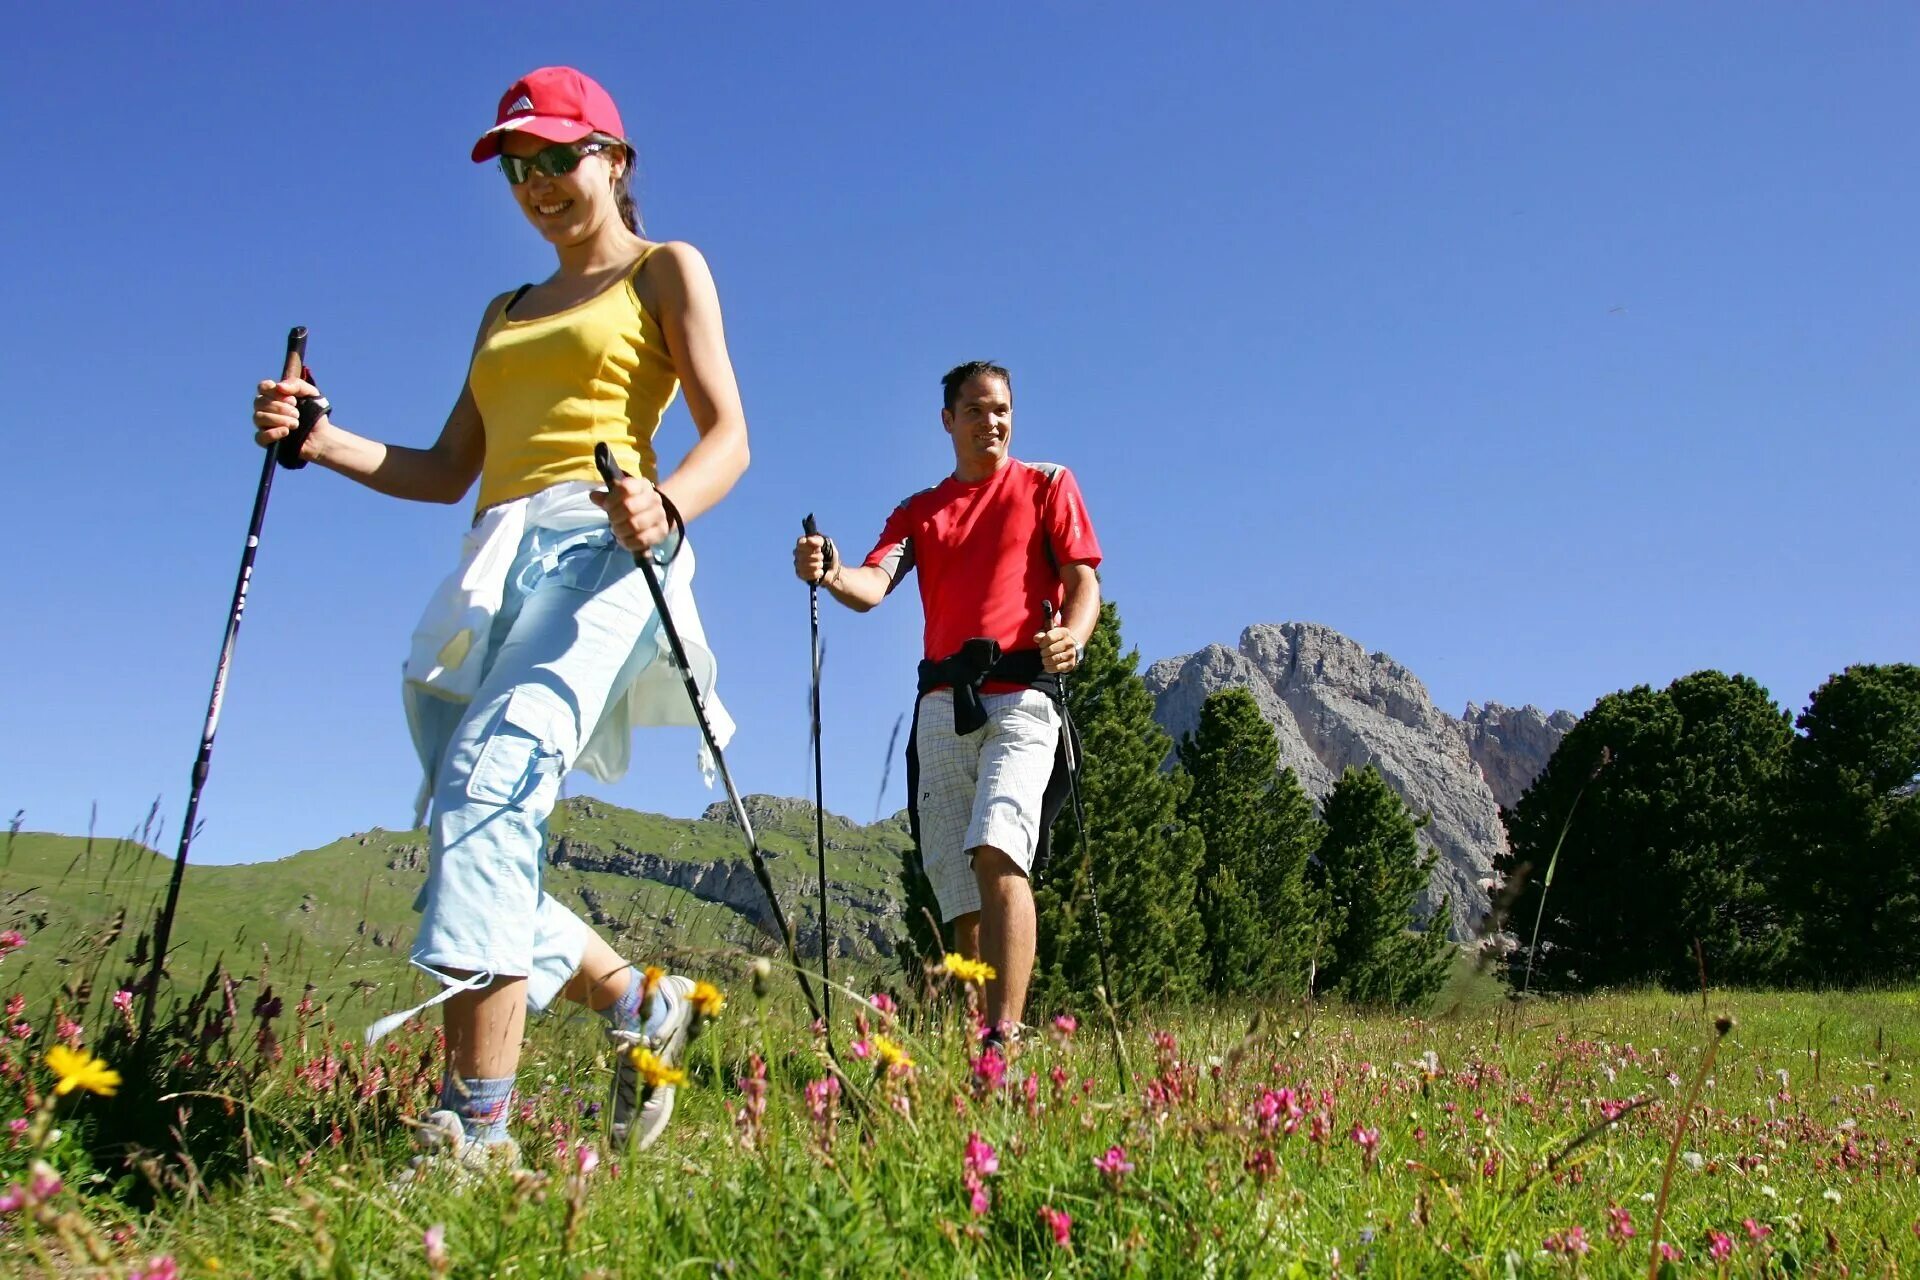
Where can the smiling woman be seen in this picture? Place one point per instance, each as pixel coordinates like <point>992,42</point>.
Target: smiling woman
<point>537,654</point>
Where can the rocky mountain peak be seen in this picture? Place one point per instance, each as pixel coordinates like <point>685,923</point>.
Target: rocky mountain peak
<point>1334,705</point>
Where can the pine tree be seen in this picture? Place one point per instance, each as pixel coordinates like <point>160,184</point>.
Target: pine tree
<point>1668,841</point>
<point>1260,830</point>
<point>1145,861</point>
<point>1849,862</point>
<point>1373,870</point>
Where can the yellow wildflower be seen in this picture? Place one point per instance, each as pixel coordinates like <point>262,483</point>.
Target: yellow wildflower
<point>79,1069</point>
<point>969,970</point>
<point>889,1053</point>
<point>650,980</point>
<point>653,1071</point>
<point>707,1000</point>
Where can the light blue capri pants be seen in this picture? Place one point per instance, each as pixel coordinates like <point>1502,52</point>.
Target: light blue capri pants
<point>576,626</point>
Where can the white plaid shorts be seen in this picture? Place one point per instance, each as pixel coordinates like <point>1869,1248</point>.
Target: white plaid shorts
<point>981,788</point>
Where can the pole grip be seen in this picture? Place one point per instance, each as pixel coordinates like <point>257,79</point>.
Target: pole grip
<point>287,452</point>
<point>829,552</point>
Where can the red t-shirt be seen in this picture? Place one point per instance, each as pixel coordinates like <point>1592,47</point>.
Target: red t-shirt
<point>989,552</point>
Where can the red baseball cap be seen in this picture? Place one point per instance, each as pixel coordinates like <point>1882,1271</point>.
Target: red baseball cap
<point>554,104</point>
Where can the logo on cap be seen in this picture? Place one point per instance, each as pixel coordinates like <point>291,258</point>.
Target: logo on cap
<point>521,103</point>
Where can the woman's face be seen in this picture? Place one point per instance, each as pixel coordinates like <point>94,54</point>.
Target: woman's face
<point>572,207</point>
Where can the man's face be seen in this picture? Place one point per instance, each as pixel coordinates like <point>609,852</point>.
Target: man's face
<point>981,421</point>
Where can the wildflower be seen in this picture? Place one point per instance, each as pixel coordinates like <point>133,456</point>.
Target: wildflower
<point>1572,1242</point>
<point>16,1005</point>
<point>13,1199</point>
<point>1369,1140</point>
<point>12,940</point>
<point>990,1069</point>
<point>976,971</point>
<point>862,1049</point>
<point>1113,1166</point>
<point>434,1240</point>
<point>79,1069</point>
<point>653,1072</point>
<point>159,1267</point>
<point>68,1032</point>
<point>1671,1252</point>
<point>1831,1194</point>
<point>883,1004</point>
<point>1059,1222</point>
<point>1066,1024</point>
<point>123,1001</point>
<point>977,1163</point>
<point>1620,1225</point>
<point>1719,1245</point>
<point>761,970</point>
<point>823,1100</point>
<point>707,1000</point>
<point>980,1158</point>
<point>890,1054</point>
<point>753,1111</point>
<point>44,1183</point>
<point>1261,1164</point>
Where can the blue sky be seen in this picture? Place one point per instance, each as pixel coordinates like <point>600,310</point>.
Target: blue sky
<point>1549,348</point>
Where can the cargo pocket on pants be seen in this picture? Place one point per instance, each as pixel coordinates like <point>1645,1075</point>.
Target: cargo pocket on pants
<point>524,755</point>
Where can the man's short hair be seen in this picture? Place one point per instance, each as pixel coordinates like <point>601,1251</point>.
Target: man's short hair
<point>957,378</point>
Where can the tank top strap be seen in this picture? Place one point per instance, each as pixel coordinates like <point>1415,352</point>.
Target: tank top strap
<point>640,263</point>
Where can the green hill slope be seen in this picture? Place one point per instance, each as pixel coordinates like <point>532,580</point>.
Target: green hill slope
<point>340,916</point>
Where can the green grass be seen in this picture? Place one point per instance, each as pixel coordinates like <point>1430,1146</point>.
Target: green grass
<point>1493,1144</point>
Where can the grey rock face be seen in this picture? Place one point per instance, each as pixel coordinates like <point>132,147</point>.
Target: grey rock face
<point>1512,745</point>
<point>1333,705</point>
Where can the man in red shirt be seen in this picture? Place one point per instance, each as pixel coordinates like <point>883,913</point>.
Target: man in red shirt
<point>995,542</point>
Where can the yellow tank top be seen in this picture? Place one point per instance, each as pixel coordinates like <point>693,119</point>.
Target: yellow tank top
<point>552,387</point>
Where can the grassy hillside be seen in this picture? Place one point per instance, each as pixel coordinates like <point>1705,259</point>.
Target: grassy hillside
<point>341,915</point>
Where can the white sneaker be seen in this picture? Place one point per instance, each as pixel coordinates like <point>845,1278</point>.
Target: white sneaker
<point>667,1044</point>
<point>445,1149</point>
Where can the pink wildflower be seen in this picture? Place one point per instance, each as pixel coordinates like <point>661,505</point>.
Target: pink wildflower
<point>883,1004</point>
<point>977,1199</point>
<point>13,1199</point>
<point>1670,1252</point>
<point>1059,1221</point>
<point>1320,1128</point>
<point>1757,1231</point>
<point>1369,1140</point>
<point>159,1267</point>
<point>18,1125</point>
<point>123,1001</point>
<point>1261,1164</point>
<point>1113,1166</point>
<point>12,940</point>
<point>45,1183</point>
<point>435,1243</point>
<point>989,1069</point>
<point>823,1099</point>
<point>23,1030</point>
<point>862,1049</point>
<point>1572,1242</point>
<point>1719,1245</point>
<point>980,1158</point>
<point>1066,1024</point>
<point>1620,1226</point>
<point>68,1032</point>
<point>754,1109</point>
<point>587,1158</point>
<point>16,1005</point>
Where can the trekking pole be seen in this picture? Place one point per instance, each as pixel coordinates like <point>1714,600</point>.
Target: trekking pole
<point>286,454</point>
<point>819,786</point>
<point>611,473</point>
<point>1072,737</point>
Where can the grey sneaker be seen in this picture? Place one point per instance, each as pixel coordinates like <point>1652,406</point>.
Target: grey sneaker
<point>633,1121</point>
<point>446,1150</point>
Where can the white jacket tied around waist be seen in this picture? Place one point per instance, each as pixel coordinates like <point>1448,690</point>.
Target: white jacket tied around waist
<point>450,647</point>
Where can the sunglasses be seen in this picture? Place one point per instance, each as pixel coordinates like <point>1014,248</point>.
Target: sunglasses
<point>560,158</point>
